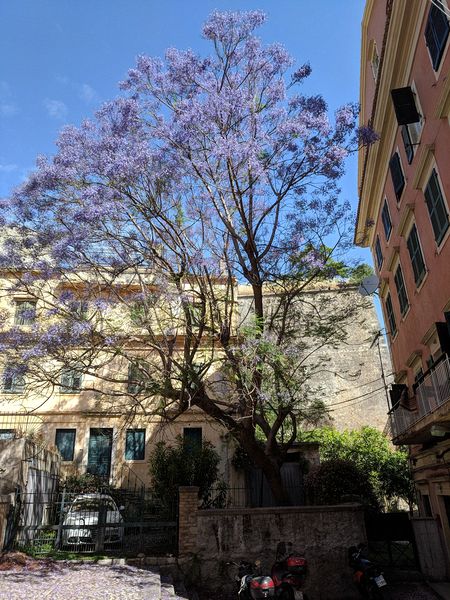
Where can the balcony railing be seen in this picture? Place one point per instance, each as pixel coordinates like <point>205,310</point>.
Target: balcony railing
<point>431,393</point>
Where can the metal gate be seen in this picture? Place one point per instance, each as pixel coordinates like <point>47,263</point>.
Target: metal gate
<point>106,521</point>
<point>391,540</point>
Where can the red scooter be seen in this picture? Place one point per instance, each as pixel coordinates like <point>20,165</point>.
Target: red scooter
<point>288,574</point>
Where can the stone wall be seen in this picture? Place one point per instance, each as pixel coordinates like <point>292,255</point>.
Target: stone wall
<point>351,380</point>
<point>322,533</point>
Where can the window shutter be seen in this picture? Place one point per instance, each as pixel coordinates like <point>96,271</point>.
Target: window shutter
<point>378,253</point>
<point>405,106</point>
<point>397,175</point>
<point>66,381</point>
<point>396,391</point>
<point>436,207</point>
<point>409,148</point>
<point>76,380</point>
<point>444,337</point>
<point>386,218</point>
<point>8,382</point>
<point>436,34</point>
<point>415,253</point>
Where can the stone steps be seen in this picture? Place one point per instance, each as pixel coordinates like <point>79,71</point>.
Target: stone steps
<point>171,591</point>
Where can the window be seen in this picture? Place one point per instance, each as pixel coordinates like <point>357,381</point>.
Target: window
<point>415,252</point>
<point>378,253</point>
<point>13,380</point>
<point>138,314</point>
<point>390,315</point>
<point>401,290</point>
<point>436,207</point>
<point>192,437</point>
<point>25,312</point>
<point>418,375</point>
<point>7,434</point>
<point>138,377</point>
<point>409,118</point>
<point>397,175</point>
<point>70,381</point>
<point>436,34</point>
<point>386,218</point>
<point>65,442</point>
<point>135,444</point>
<point>79,308</point>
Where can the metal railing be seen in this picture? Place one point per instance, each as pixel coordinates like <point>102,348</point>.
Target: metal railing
<point>431,392</point>
<point>105,521</point>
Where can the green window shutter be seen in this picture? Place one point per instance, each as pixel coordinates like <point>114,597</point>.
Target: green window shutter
<point>386,218</point>
<point>25,312</point>
<point>378,253</point>
<point>401,290</point>
<point>70,381</point>
<point>398,179</point>
<point>135,444</point>
<point>391,315</point>
<point>409,148</point>
<point>192,437</point>
<point>436,207</point>
<point>415,253</point>
<point>65,442</point>
<point>436,34</point>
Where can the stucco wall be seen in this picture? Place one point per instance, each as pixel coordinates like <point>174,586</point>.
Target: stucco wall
<point>323,533</point>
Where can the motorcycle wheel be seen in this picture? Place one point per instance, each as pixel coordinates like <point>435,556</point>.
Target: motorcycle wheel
<point>376,593</point>
<point>286,593</point>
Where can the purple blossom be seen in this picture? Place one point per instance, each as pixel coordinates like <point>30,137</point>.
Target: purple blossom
<point>301,73</point>
<point>367,136</point>
<point>232,27</point>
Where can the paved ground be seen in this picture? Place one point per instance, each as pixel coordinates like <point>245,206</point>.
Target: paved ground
<point>75,581</point>
<point>24,578</point>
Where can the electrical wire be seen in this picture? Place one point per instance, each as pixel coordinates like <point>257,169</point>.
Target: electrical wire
<point>357,397</point>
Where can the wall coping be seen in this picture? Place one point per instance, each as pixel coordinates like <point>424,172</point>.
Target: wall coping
<point>350,507</point>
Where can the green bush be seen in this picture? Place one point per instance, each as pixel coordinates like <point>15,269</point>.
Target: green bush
<point>336,481</point>
<point>183,464</point>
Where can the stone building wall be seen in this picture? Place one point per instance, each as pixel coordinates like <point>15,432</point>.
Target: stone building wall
<point>351,380</point>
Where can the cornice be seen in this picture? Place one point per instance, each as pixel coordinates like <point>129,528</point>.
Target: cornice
<point>402,38</point>
<point>443,105</point>
<point>423,165</point>
<point>405,218</point>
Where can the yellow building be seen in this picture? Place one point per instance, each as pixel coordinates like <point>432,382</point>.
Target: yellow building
<point>93,403</point>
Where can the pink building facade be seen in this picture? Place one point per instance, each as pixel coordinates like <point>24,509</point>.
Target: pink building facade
<point>404,217</point>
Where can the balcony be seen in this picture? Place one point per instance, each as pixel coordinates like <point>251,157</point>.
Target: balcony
<point>433,408</point>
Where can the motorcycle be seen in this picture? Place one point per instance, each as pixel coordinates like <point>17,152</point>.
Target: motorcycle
<point>251,585</point>
<point>288,574</point>
<point>367,576</point>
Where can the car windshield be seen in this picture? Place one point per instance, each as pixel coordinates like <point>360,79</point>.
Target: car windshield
<point>92,505</point>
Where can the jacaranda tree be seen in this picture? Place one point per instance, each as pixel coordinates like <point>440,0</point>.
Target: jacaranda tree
<point>207,172</point>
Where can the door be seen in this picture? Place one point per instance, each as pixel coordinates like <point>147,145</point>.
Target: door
<point>99,453</point>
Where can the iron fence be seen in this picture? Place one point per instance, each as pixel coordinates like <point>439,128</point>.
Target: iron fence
<point>104,521</point>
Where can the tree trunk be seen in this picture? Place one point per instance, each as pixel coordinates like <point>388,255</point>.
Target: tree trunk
<point>268,465</point>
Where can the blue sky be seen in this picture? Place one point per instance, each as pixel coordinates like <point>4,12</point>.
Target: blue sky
<point>60,59</point>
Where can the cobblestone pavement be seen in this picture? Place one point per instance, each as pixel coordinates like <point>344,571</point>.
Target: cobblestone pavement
<point>412,591</point>
<point>400,591</point>
<point>75,581</point>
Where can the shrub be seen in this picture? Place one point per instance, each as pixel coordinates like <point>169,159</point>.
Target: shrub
<point>183,464</point>
<point>336,481</point>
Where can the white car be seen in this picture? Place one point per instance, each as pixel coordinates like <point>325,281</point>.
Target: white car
<point>83,517</point>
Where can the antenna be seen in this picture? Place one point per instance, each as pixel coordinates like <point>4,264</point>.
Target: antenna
<point>369,285</point>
